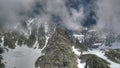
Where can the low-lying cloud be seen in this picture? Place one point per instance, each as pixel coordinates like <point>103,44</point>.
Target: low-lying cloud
<point>109,15</point>
<point>10,9</point>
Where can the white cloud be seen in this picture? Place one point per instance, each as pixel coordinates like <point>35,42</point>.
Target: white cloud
<point>109,15</point>
<point>10,9</point>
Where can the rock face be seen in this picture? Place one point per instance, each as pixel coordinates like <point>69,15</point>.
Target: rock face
<point>1,64</point>
<point>58,53</point>
<point>93,61</point>
<point>113,55</point>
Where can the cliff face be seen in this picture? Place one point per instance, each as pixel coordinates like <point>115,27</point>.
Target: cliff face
<point>58,53</point>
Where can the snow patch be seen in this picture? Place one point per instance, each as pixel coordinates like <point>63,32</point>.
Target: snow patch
<point>80,65</point>
<point>97,44</point>
<point>115,45</point>
<point>21,57</point>
<point>76,51</point>
<point>79,37</point>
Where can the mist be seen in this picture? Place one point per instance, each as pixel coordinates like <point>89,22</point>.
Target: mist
<point>109,15</point>
<point>10,12</point>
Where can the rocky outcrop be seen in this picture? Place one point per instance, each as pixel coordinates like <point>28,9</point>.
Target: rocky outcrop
<point>58,53</point>
<point>113,55</point>
<point>93,61</point>
<point>1,64</point>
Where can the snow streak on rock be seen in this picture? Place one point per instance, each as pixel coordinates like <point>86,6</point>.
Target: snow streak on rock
<point>47,38</point>
<point>2,43</point>
<point>80,65</point>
